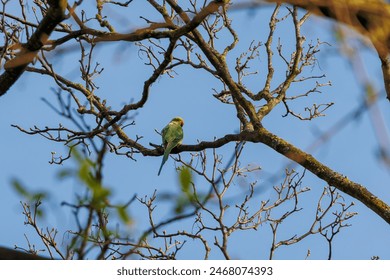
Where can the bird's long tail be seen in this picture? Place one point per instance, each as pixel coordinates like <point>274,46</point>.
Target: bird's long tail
<point>167,150</point>
<point>165,158</point>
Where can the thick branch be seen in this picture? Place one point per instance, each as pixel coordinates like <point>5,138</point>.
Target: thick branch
<point>371,18</point>
<point>322,171</point>
<point>14,68</point>
<point>150,32</point>
<point>306,160</point>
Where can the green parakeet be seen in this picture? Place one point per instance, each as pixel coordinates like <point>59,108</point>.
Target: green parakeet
<point>172,135</point>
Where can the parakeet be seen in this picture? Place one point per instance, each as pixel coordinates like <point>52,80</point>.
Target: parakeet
<point>172,135</point>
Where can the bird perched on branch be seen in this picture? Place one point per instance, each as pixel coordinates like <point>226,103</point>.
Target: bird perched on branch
<point>172,135</point>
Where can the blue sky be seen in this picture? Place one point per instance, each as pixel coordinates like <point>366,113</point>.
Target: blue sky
<point>351,152</point>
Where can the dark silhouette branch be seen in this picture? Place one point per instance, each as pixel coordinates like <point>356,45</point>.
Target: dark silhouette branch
<point>15,67</point>
<point>11,254</point>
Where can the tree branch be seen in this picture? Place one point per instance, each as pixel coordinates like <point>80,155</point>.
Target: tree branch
<point>15,67</point>
<point>371,18</point>
<point>325,173</point>
<point>10,254</point>
<point>306,160</point>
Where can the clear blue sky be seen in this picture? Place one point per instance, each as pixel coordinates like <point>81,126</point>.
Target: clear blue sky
<point>352,152</point>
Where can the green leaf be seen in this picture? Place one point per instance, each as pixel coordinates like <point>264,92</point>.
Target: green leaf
<point>123,215</point>
<point>100,197</point>
<point>27,194</point>
<point>65,173</point>
<point>85,173</point>
<point>181,203</point>
<point>185,178</point>
<point>30,197</point>
<point>19,188</point>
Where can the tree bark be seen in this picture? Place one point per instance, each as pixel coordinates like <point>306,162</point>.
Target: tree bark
<point>15,67</point>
